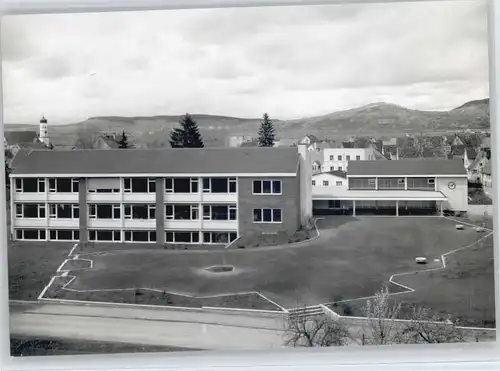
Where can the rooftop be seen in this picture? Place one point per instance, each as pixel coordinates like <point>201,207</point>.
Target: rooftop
<point>406,167</point>
<point>83,162</point>
<point>322,193</point>
<point>20,137</point>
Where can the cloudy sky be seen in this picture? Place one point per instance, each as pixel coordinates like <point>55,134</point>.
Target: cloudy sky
<point>290,62</point>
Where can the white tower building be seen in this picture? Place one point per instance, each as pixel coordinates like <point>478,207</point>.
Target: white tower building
<point>43,134</point>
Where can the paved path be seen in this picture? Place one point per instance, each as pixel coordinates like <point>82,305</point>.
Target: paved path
<point>148,327</point>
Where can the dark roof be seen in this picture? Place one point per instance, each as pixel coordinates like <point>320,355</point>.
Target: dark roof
<point>20,137</point>
<point>158,161</point>
<point>407,167</point>
<point>471,153</point>
<point>339,173</point>
<point>111,142</point>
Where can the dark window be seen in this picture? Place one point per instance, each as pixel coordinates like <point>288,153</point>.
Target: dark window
<point>104,236</point>
<point>152,185</point>
<point>220,237</point>
<point>64,185</point>
<point>116,213</point>
<point>127,184</point>
<point>77,235</point>
<point>30,185</point>
<point>41,185</point>
<point>334,204</point>
<point>152,212</point>
<point>206,237</point>
<point>92,235</point>
<point>31,234</point>
<point>169,185</point>
<point>19,234</point>
<point>52,185</point>
<point>53,235</point>
<point>104,211</point>
<point>194,185</point>
<point>65,235</point>
<point>76,185</point>
<point>63,211</point>
<point>19,185</point>
<point>220,213</point>
<point>276,215</point>
<point>182,212</point>
<point>232,185</point>
<point>183,237</point>
<point>42,234</point>
<point>139,185</point>
<point>182,185</point>
<point>340,158</point>
<point>141,236</point>
<point>232,214</point>
<point>128,236</point>
<point>206,212</point>
<point>116,235</point>
<point>358,158</point>
<point>347,158</point>
<point>196,237</point>
<point>152,236</point>
<point>76,212</point>
<point>41,211</point>
<point>266,186</point>
<point>276,186</point>
<point>257,186</point>
<point>233,236</point>
<point>206,184</point>
<point>219,185</point>
<point>30,211</point>
<point>170,237</point>
<point>257,215</point>
<point>267,216</point>
<point>169,211</point>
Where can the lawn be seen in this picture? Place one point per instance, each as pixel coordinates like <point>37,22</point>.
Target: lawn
<point>32,265</point>
<point>351,259</point>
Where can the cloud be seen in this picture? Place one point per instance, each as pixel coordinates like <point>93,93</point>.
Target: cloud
<point>288,61</point>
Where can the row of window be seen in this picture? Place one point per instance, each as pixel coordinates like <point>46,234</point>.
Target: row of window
<point>347,158</point>
<point>392,183</point>
<point>148,185</point>
<point>218,237</point>
<point>172,212</point>
<point>326,183</point>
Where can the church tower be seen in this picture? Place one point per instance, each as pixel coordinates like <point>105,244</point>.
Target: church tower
<point>43,134</point>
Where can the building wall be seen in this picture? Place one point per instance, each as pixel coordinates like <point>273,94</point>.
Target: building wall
<point>305,186</point>
<point>288,201</point>
<point>457,197</point>
<point>364,153</point>
<point>332,182</point>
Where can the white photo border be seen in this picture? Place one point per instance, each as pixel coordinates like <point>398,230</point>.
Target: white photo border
<point>468,356</point>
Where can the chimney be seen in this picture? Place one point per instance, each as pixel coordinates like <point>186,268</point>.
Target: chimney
<point>305,183</point>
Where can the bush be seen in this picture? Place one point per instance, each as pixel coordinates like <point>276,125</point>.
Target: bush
<point>347,309</point>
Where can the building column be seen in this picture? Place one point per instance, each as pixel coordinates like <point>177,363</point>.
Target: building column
<point>160,211</point>
<point>406,183</point>
<point>353,207</point>
<point>83,210</point>
<point>441,208</point>
<point>397,208</point>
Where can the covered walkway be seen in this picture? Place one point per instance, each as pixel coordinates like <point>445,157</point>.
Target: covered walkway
<point>391,203</point>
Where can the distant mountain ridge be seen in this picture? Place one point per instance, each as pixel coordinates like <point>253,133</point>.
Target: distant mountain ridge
<point>372,119</point>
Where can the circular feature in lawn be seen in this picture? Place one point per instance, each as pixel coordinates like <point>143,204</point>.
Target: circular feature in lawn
<point>220,269</point>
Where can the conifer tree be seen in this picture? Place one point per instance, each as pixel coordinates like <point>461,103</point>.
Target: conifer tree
<point>123,142</point>
<point>266,132</point>
<point>188,135</point>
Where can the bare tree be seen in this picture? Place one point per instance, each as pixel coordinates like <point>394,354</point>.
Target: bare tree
<point>85,139</point>
<point>315,331</point>
<point>427,328</point>
<point>381,327</point>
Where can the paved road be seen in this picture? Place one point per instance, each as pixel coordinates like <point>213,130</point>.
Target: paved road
<point>149,327</point>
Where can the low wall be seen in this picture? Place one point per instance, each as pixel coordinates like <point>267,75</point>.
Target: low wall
<point>479,210</point>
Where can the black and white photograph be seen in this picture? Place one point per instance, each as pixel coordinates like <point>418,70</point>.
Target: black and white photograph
<point>248,179</point>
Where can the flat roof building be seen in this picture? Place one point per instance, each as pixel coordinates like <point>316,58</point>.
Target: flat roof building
<point>195,196</point>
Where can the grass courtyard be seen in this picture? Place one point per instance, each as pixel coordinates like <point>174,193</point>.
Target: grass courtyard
<point>351,259</point>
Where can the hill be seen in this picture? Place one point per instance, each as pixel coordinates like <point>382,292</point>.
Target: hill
<point>370,120</point>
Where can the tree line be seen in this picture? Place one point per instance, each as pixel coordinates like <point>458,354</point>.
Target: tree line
<point>381,326</point>
<point>188,135</point>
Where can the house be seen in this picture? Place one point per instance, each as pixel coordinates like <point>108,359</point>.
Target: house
<point>15,140</point>
<point>173,196</point>
<point>309,139</point>
<point>404,187</point>
<point>486,178</point>
<point>475,169</point>
<point>469,157</point>
<point>106,142</point>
